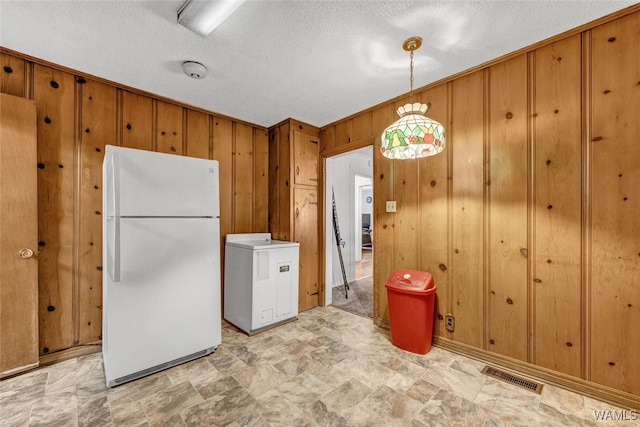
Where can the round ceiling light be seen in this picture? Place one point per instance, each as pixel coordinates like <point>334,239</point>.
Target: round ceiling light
<point>195,70</point>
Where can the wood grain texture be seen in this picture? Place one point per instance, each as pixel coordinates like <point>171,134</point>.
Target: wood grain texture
<point>223,153</point>
<point>305,209</point>
<point>361,127</point>
<point>328,138</point>
<point>243,183</point>
<point>274,187</point>
<point>260,181</point>
<point>384,261</point>
<point>198,138</point>
<point>556,250</point>
<point>13,75</point>
<point>508,164</point>
<point>305,153</point>
<point>342,134</point>
<point>18,231</point>
<point>466,142</point>
<point>98,128</point>
<point>406,220</point>
<point>433,209</point>
<point>54,93</point>
<point>169,134</point>
<point>615,263</point>
<point>285,183</point>
<point>137,121</point>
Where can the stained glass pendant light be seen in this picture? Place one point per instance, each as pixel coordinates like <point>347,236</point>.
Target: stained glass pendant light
<point>413,135</point>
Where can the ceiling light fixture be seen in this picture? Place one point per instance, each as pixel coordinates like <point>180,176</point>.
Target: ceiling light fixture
<point>203,16</point>
<point>413,135</point>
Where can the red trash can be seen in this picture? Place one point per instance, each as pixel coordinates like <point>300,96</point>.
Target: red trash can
<point>411,295</point>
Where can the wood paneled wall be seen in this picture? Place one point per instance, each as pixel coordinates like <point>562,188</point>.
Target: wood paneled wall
<point>530,219</point>
<point>76,117</point>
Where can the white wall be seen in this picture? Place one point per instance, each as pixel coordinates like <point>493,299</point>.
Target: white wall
<point>362,184</point>
<point>340,175</point>
<point>367,207</point>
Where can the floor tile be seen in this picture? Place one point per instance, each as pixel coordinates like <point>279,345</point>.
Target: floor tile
<point>446,408</point>
<point>385,407</point>
<point>346,396</point>
<point>163,404</point>
<point>94,412</point>
<point>328,368</point>
<point>55,410</point>
<point>227,407</point>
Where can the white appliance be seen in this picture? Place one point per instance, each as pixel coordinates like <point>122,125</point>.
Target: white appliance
<point>161,262</point>
<point>260,281</point>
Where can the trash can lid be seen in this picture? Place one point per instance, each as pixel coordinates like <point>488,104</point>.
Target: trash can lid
<point>411,281</point>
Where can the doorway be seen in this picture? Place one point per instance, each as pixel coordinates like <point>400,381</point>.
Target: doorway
<point>349,180</point>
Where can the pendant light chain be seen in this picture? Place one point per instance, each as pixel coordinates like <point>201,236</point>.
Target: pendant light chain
<point>411,77</point>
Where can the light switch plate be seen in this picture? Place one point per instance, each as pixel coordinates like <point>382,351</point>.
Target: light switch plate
<point>391,205</point>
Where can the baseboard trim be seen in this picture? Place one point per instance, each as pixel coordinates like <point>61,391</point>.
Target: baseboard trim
<point>567,382</point>
<point>70,353</point>
<point>17,371</point>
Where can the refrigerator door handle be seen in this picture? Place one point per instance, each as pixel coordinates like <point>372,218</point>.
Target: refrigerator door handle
<point>114,268</point>
<point>113,258</point>
<point>115,184</point>
<point>115,277</point>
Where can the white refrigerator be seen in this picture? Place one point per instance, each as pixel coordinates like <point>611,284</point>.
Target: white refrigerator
<point>161,262</point>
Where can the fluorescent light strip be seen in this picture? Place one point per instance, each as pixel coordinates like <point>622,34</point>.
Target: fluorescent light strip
<point>203,16</point>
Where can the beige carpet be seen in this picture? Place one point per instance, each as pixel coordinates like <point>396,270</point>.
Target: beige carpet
<point>360,297</point>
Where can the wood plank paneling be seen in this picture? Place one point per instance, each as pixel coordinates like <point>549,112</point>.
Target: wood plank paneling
<point>293,153</point>
<point>556,251</point>
<point>137,121</point>
<point>223,153</point>
<point>383,234</point>
<point>197,137</point>
<point>508,297</point>
<point>466,142</point>
<point>243,178</point>
<point>305,153</point>
<point>615,261</point>
<point>433,208</point>
<point>406,191</point>
<point>13,75</point>
<point>361,127</point>
<point>98,128</point>
<point>343,133</point>
<point>328,138</point>
<point>274,188</point>
<point>18,232</point>
<point>169,133</point>
<point>54,93</point>
<point>285,185</point>
<point>260,181</point>
<point>306,232</point>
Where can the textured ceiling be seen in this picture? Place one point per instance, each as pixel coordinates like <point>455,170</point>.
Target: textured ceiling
<point>316,61</point>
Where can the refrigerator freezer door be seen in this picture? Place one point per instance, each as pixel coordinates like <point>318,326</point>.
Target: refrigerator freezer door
<point>145,183</point>
<point>166,304</point>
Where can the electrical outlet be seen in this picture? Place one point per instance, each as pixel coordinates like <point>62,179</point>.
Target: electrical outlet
<point>449,322</point>
<point>391,205</point>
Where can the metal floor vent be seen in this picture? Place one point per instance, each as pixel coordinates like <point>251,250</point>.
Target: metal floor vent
<point>512,379</point>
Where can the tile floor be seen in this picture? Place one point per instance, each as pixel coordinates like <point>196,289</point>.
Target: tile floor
<point>328,368</point>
